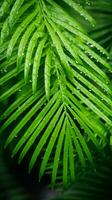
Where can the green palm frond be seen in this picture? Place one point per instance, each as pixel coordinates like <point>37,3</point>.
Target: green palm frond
<point>95,185</point>
<point>70,107</point>
<point>102,11</point>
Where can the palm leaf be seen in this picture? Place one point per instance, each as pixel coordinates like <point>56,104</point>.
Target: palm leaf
<point>93,185</point>
<point>70,108</point>
<point>103,30</point>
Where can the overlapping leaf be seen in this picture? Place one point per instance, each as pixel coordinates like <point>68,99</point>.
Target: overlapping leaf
<point>102,10</point>
<point>70,108</point>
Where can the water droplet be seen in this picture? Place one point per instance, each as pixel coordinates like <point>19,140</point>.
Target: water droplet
<point>15,136</point>
<point>91,45</point>
<point>20,90</point>
<point>5,70</point>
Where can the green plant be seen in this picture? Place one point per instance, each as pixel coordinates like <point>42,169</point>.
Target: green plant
<point>102,33</point>
<point>95,184</point>
<point>56,78</point>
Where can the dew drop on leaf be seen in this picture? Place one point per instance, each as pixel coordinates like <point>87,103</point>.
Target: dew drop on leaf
<point>91,45</point>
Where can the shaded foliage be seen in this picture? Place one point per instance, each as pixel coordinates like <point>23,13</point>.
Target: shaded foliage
<point>57,79</point>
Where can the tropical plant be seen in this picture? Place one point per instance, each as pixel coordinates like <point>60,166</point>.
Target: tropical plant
<point>55,89</point>
<point>94,185</point>
<point>102,12</point>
